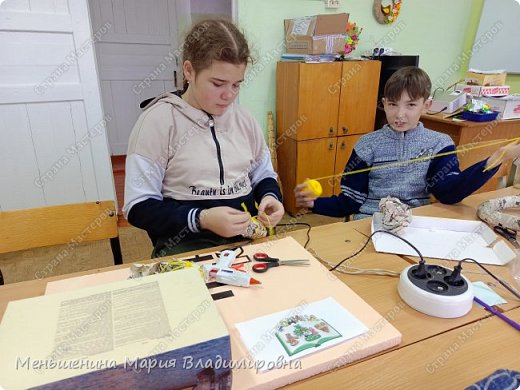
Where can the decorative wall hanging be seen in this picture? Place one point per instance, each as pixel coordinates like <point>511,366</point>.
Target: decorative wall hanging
<point>387,14</point>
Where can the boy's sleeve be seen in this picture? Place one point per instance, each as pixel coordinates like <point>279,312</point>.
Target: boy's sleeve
<point>448,184</point>
<point>354,191</point>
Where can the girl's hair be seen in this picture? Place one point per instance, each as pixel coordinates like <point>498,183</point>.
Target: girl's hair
<point>411,79</point>
<point>214,40</point>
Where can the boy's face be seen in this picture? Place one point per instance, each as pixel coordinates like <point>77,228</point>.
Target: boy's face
<point>404,114</point>
<point>213,89</point>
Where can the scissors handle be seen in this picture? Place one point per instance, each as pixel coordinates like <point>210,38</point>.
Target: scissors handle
<point>264,257</point>
<point>263,267</point>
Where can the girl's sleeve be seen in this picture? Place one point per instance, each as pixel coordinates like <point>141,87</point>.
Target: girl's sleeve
<point>146,163</point>
<point>262,175</point>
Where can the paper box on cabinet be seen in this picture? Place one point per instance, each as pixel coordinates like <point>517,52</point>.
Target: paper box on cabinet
<point>481,90</point>
<point>319,34</point>
<point>475,77</point>
<point>508,106</point>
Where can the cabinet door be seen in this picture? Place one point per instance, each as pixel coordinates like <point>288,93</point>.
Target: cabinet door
<point>315,160</point>
<point>318,104</point>
<point>358,98</point>
<point>343,151</point>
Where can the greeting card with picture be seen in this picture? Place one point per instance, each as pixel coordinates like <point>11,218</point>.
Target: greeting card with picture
<point>298,331</point>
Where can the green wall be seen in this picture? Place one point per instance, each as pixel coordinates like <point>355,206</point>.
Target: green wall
<point>513,80</point>
<point>439,31</point>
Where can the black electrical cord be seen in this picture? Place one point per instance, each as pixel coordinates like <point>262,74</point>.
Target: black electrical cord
<point>309,227</point>
<point>437,112</point>
<point>368,240</point>
<point>506,285</point>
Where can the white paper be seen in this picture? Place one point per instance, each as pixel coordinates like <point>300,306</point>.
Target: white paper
<point>263,337</point>
<point>444,238</point>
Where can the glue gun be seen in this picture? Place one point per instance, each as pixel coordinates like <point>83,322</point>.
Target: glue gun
<point>222,272</point>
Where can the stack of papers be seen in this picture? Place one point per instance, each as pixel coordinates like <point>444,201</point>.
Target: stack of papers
<point>309,58</point>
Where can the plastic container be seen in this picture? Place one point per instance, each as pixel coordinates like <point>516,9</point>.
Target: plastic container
<point>478,117</point>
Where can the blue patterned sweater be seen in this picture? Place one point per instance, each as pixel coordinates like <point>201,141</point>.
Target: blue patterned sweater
<point>411,182</point>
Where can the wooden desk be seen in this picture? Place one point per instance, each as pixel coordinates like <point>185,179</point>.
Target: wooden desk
<point>335,242</point>
<point>452,360</point>
<point>468,132</point>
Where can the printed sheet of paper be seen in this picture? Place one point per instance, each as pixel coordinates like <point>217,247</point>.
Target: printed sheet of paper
<point>298,332</point>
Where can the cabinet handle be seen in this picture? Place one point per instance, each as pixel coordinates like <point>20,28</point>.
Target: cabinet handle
<point>345,129</point>
<point>343,145</point>
<point>331,145</point>
<point>331,131</point>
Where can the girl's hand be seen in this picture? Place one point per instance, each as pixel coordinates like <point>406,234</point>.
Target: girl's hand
<point>304,197</point>
<point>508,152</point>
<point>225,221</point>
<point>270,211</point>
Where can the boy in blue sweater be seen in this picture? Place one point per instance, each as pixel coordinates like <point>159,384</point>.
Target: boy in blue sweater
<point>406,98</point>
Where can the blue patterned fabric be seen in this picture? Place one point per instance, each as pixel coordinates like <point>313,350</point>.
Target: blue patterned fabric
<point>499,380</point>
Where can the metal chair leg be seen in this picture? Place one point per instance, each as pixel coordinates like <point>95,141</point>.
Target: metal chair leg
<point>116,250</point>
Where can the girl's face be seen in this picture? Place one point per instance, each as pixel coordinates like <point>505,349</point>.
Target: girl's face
<point>213,89</point>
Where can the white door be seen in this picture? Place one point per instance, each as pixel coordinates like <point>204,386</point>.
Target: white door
<point>53,147</point>
<point>137,59</point>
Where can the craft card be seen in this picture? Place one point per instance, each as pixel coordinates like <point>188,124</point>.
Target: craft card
<point>299,331</point>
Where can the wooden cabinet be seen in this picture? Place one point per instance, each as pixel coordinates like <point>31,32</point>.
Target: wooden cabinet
<point>321,111</point>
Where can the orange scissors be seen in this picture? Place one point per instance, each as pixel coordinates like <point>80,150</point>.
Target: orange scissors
<point>269,262</point>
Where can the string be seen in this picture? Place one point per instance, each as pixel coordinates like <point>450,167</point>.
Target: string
<point>424,158</point>
<point>496,162</point>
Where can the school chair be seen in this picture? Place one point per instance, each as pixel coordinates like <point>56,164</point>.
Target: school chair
<point>70,224</point>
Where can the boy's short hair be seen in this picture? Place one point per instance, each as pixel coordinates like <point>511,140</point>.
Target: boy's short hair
<point>411,79</point>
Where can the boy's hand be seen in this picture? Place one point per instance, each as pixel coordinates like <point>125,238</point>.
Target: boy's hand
<point>270,211</point>
<point>508,152</point>
<point>225,221</point>
<point>304,197</point>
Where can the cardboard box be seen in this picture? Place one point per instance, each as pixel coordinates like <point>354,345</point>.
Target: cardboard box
<point>480,90</point>
<point>508,106</point>
<point>477,78</point>
<point>448,102</point>
<point>445,238</point>
<point>319,34</point>
<point>159,331</point>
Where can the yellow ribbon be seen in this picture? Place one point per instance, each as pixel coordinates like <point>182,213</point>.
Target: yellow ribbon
<point>463,150</point>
